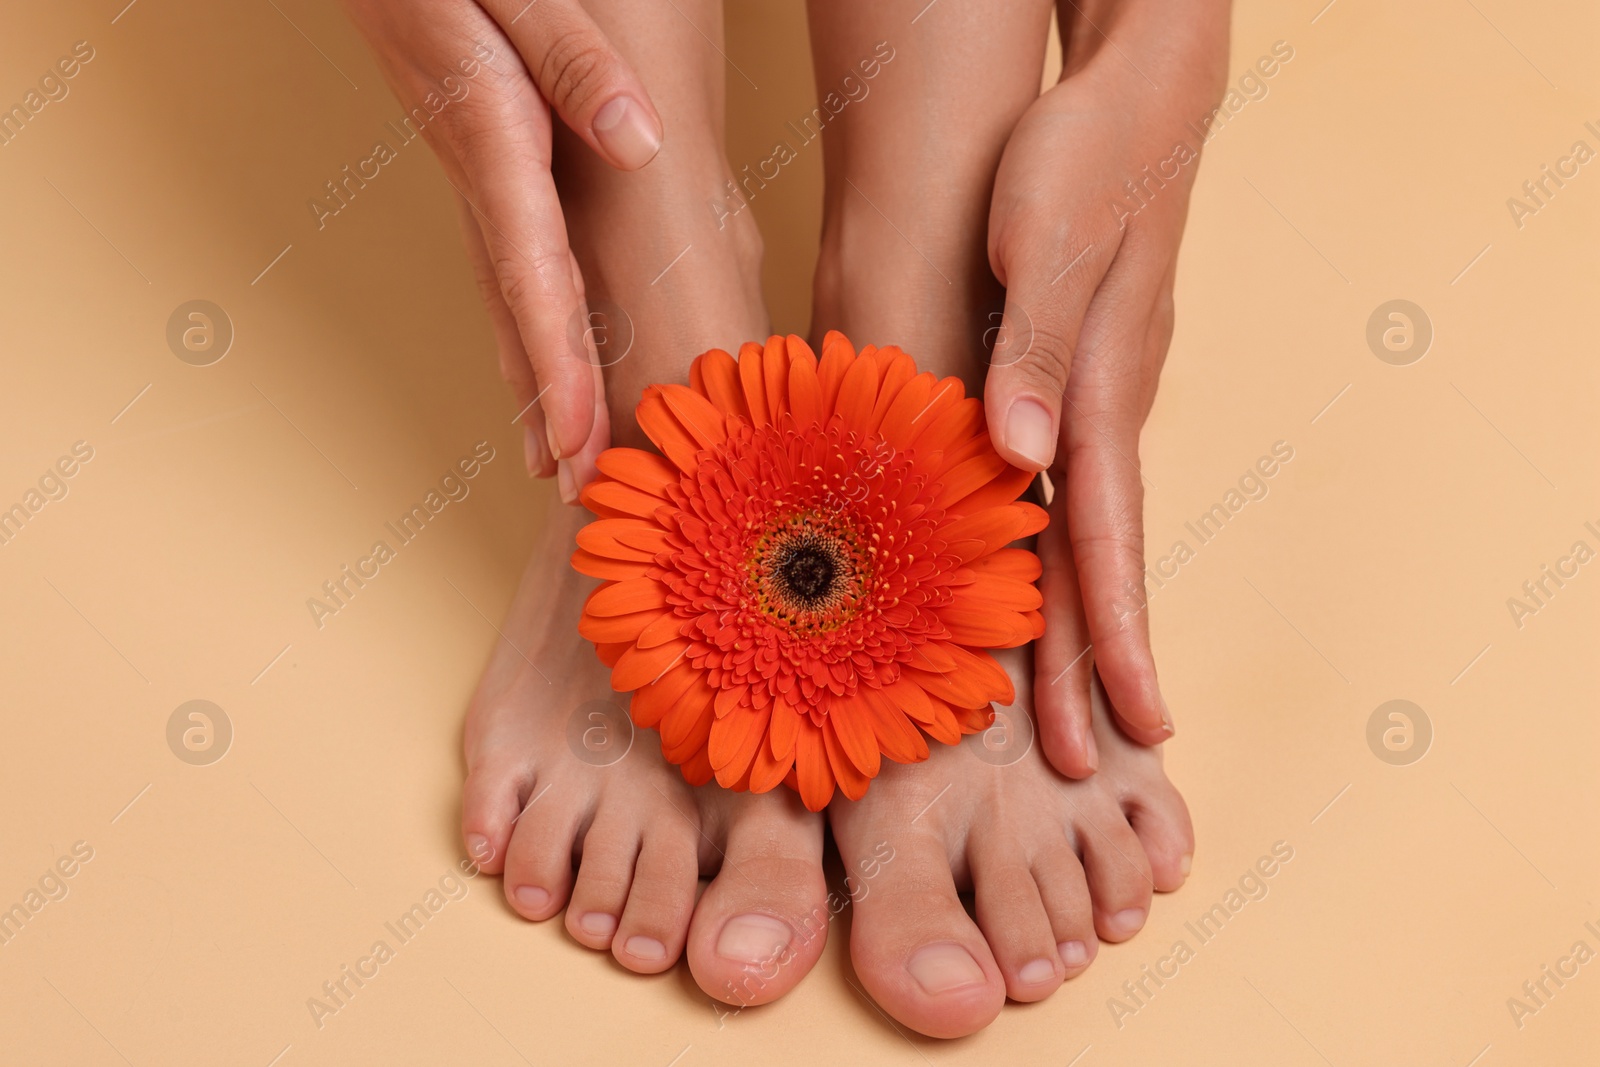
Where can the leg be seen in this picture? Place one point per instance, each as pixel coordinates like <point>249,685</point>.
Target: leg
<point>904,262</point>
<point>625,843</point>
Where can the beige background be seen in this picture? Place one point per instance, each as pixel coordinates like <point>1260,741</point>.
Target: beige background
<point>219,898</point>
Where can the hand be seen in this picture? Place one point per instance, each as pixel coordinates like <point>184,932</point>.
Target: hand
<point>481,78</point>
<point>1088,265</point>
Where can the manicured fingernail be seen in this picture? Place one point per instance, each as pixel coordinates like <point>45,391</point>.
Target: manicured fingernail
<point>1127,922</point>
<point>752,938</point>
<point>532,450</point>
<point>1030,433</point>
<point>942,968</point>
<point>598,924</point>
<point>1186,864</point>
<point>645,948</point>
<point>478,847</point>
<point>627,133</point>
<point>1073,953</point>
<point>550,436</point>
<point>532,897</point>
<point>1166,716</point>
<point>564,481</point>
<point>1036,971</point>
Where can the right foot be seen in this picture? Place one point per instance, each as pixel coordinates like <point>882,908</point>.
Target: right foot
<point>622,846</point>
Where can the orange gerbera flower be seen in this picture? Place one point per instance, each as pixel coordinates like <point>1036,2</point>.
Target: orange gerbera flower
<point>805,583</point>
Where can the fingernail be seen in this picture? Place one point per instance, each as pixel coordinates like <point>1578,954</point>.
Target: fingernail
<point>550,436</point>
<point>627,133</point>
<point>1186,864</point>
<point>478,847</point>
<point>1127,922</point>
<point>564,481</point>
<point>942,968</point>
<point>752,938</point>
<point>1166,716</point>
<point>532,897</point>
<point>1030,433</point>
<point>1036,971</point>
<point>532,450</point>
<point>1073,953</point>
<point>645,948</point>
<point>598,924</point>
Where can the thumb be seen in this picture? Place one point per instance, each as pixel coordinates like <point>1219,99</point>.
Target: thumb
<point>581,75</point>
<point>1047,296</point>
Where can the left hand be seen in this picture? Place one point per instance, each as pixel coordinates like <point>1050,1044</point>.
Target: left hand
<point>1088,266</point>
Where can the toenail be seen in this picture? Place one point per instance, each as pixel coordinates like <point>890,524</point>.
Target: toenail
<point>1186,864</point>
<point>645,948</point>
<point>1126,922</point>
<point>478,847</point>
<point>943,968</point>
<point>1073,953</point>
<point>752,938</point>
<point>1037,971</point>
<point>1030,431</point>
<point>598,924</point>
<point>532,897</point>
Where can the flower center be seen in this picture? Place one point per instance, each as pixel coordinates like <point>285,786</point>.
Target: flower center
<point>807,573</point>
<point>806,577</point>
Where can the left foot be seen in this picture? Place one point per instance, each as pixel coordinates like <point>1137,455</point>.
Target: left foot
<point>1055,866</point>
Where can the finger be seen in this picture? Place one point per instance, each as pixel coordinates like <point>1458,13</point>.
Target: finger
<point>582,76</point>
<point>1063,658</point>
<point>1105,412</point>
<point>500,138</point>
<point>514,366</point>
<point>1049,289</point>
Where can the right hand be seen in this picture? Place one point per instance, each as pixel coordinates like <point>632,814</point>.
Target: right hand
<point>499,67</point>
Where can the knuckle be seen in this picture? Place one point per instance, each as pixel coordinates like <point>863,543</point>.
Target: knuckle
<point>575,68</point>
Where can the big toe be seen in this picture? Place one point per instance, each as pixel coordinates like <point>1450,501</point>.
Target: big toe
<point>761,924</point>
<point>913,945</point>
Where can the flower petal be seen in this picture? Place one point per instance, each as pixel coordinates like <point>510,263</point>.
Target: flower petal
<point>813,774</point>
<point>768,771</point>
<point>852,783</point>
<point>852,724</point>
<point>696,414</point>
<point>857,393</point>
<point>606,629</point>
<point>653,701</point>
<point>720,374</point>
<point>620,598</point>
<point>837,358</point>
<point>775,376</point>
<point>666,432</point>
<point>784,729</point>
<point>607,567</point>
<point>641,666</point>
<point>752,378</point>
<point>805,395</point>
<point>664,628</point>
<point>642,470</point>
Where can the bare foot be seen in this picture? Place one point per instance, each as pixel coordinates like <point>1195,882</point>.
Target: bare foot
<point>621,845</point>
<point>1055,867</point>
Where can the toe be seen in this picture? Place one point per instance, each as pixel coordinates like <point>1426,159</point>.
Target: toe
<point>1063,667</point>
<point>650,934</point>
<point>1160,818</point>
<point>1118,872</point>
<point>1012,915</point>
<point>919,955</point>
<point>489,805</point>
<point>1065,893</point>
<point>762,922</point>
<point>610,849</point>
<point>538,870</point>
